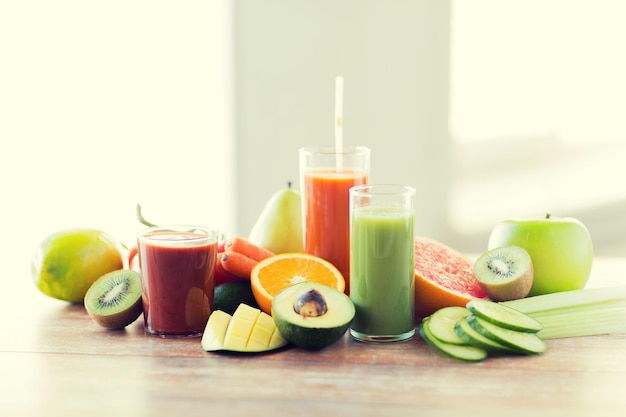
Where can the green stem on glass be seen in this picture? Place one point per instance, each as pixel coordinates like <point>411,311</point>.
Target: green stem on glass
<point>143,219</point>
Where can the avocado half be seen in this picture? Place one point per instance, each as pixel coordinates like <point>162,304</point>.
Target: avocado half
<point>311,315</point>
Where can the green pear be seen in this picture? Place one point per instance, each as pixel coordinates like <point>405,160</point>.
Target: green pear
<point>279,226</point>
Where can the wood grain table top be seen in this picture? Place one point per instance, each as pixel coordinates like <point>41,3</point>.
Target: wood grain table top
<point>55,361</point>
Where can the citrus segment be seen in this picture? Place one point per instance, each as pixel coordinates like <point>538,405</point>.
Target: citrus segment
<point>443,277</point>
<point>272,275</point>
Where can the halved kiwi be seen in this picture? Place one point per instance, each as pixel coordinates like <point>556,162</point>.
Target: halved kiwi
<point>114,299</point>
<point>505,273</point>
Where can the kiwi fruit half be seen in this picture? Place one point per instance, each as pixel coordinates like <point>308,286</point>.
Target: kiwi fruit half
<point>114,299</point>
<point>505,273</point>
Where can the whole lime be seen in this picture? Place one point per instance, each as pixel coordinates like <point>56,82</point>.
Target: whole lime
<point>67,262</point>
<point>229,295</point>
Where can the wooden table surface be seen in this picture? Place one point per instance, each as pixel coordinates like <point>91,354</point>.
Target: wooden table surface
<point>55,361</point>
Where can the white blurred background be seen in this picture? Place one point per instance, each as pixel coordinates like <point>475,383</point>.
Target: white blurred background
<point>196,109</point>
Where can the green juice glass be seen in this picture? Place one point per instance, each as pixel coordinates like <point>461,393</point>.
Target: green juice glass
<point>382,262</point>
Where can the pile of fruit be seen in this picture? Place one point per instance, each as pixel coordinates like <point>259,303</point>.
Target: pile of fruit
<point>269,294</point>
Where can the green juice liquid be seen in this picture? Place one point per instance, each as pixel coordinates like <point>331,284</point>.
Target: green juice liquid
<point>382,273</point>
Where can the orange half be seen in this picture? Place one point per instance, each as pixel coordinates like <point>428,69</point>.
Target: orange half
<point>272,275</point>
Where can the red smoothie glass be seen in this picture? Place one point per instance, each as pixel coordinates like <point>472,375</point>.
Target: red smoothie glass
<point>177,277</point>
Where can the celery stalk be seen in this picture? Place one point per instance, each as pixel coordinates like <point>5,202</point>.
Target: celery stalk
<point>585,312</point>
<point>584,323</point>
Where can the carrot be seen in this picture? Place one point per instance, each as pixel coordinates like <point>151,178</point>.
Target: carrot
<point>237,263</point>
<point>222,276</point>
<point>247,248</point>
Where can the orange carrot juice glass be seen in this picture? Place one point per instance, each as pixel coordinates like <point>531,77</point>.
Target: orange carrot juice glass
<point>326,177</point>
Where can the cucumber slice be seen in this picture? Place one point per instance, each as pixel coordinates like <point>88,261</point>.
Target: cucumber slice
<point>441,324</point>
<point>463,352</point>
<point>472,337</point>
<point>522,342</point>
<point>503,316</point>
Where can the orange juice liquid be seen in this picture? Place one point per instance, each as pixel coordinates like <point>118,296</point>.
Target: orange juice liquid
<point>327,216</point>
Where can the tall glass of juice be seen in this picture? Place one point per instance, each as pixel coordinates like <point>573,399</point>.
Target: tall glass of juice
<point>177,277</point>
<point>382,262</point>
<point>326,176</point>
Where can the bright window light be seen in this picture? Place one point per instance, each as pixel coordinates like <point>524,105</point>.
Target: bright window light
<point>538,94</point>
<point>529,68</point>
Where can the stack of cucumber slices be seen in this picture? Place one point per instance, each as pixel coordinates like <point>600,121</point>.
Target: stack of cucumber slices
<point>481,328</point>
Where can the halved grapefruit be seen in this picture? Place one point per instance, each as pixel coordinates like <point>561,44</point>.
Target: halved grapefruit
<point>443,277</point>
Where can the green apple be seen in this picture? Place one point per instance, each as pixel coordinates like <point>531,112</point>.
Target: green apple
<point>279,226</point>
<point>560,248</point>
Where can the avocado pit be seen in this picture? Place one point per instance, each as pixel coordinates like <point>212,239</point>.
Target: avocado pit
<point>310,303</point>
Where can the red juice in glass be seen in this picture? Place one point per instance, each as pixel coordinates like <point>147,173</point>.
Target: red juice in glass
<point>326,202</point>
<point>177,272</point>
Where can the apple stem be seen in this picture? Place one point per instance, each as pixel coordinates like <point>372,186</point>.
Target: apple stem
<point>289,184</point>
<point>547,215</point>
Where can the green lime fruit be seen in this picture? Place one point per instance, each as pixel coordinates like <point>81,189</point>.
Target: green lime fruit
<point>229,295</point>
<point>68,262</point>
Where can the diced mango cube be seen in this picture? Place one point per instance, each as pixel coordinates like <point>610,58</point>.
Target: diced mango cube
<point>246,312</point>
<point>277,340</point>
<point>260,336</point>
<point>247,330</point>
<point>213,337</point>
<point>240,327</point>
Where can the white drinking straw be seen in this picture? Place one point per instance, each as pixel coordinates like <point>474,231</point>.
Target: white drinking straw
<point>339,122</point>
